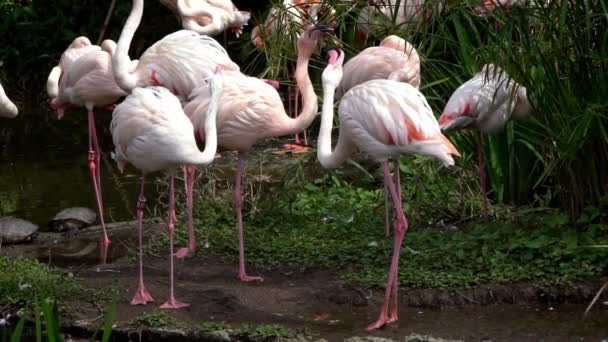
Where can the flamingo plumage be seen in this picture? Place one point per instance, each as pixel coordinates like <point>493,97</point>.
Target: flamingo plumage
<point>88,81</point>
<point>385,119</point>
<point>209,17</point>
<point>7,107</point>
<point>486,102</point>
<point>151,131</point>
<point>251,110</point>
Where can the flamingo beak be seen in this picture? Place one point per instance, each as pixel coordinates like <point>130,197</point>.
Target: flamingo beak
<point>121,166</point>
<point>323,28</point>
<point>449,123</point>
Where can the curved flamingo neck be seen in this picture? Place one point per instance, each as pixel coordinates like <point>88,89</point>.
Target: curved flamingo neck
<point>310,104</point>
<point>331,159</point>
<point>120,61</point>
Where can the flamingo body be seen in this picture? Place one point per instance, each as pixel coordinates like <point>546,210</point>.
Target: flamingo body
<point>7,107</point>
<point>79,47</point>
<point>485,102</point>
<point>209,17</point>
<point>410,12</point>
<point>394,59</point>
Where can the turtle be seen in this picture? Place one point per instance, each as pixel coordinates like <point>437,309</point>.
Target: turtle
<point>15,230</point>
<point>71,220</point>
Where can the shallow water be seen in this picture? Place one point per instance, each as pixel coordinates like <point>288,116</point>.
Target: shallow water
<point>43,167</point>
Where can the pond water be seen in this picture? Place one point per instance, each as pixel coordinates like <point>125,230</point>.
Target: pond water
<point>43,167</point>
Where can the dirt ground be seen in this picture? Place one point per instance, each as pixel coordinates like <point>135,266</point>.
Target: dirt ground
<point>316,302</point>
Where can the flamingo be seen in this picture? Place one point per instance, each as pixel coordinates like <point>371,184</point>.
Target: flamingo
<point>395,59</point>
<point>385,119</point>
<point>151,131</point>
<point>180,62</point>
<point>409,12</point>
<point>291,14</point>
<point>79,46</point>
<point>209,17</point>
<point>7,107</point>
<point>251,110</point>
<point>89,82</point>
<point>486,102</point>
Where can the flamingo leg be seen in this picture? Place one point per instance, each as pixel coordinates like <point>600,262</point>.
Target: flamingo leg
<point>393,316</point>
<point>400,229</point>
<point>386,210</point>
<point>172,303</point>
<point>93,158</point>
<point>296,110</point>
<point>482,176</point>
<point>238,203</point>
<point>189,171</point>
<point>141,296</point>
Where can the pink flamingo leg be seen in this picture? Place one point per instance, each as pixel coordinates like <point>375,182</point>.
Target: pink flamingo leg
<point>172,303</point>
<point>189,181</point>
<point>238,203</point>
<point>386,210</point>
<point>93,161</point>
<point>141,296</point>
<point>393,316</point>
<point>400,228</point>
<point>482,176</point>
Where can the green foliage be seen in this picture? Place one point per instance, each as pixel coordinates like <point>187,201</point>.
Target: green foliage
<point>334,223</point>
<point>155,319</point>
<point>264,332</point>
<point>25,279</point>
<point>211,326</point>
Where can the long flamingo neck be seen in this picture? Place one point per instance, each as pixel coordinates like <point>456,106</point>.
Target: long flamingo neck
<point>208,154</point>
<point>310,105</point>
<point>120,61</point>
<point>328,158</point>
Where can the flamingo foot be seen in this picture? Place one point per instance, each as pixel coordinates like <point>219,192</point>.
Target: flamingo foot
<point>217,156</point>
<point>382,321</point>
<point>246,278</point>
<point>141,296</point>
<point>183,252</point>
<point>296,147</point>
<point>393,317</point>
<point>173,303</point>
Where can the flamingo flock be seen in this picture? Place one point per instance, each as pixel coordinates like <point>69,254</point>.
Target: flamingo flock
<point>186,88</point>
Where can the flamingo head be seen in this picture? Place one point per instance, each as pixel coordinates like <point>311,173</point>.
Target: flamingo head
<point>309,40</point>
<point>59,107</point>
<point>333,72</point>
<point>456,115</point>
<point>394,42</point>
<point>80,42</point>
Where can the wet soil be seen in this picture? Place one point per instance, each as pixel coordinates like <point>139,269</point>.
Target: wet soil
<point>316,301</point>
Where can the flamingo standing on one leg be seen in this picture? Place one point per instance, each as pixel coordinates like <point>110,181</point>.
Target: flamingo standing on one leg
<point>7,107</point>
<point>180,62</point>
<point>486,102</point>
<point>395,59</point>
<point>251,110</point>
<point>89,82</point>
<point>280,20</point>
<point>151,131</point>
<point>385,119</point>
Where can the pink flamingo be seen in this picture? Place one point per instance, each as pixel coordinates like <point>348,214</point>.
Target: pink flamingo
<point>385,119</point>
<point>486,102</point>
<point>180,62</point>
<point>89,82</point>
<point>281,19</point>
<point>410,12</point>
<point>209,17</point>
<point>151,131</point>
<point>7,107</point>
<point>79,46</point>
<point>395,59</point>
<point>251,110</point>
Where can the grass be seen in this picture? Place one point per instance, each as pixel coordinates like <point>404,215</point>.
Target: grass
<point>155,319</point>
<point>336,222</point>
<point>23,280</point>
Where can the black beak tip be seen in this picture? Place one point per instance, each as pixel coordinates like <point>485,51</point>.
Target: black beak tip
<point>323,28</point>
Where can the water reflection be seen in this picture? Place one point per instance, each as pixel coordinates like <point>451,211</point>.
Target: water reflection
<point>43,167</point>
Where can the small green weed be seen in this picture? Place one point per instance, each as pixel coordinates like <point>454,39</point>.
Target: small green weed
<point>155,319</point>
<point>211,326</point>
<point>264,332</point>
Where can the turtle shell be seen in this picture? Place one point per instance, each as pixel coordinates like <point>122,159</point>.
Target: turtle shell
<point>15,230</point>
<point>72,218</point>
